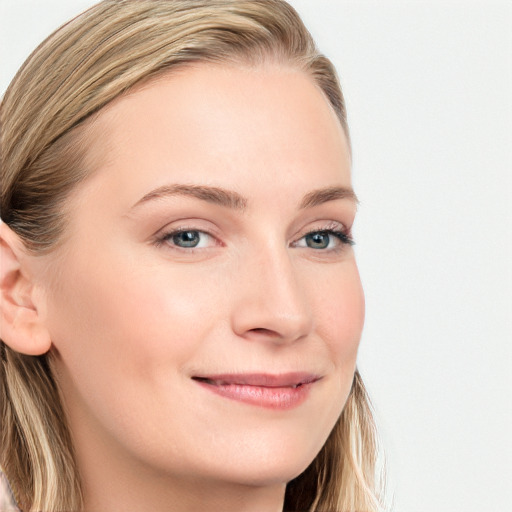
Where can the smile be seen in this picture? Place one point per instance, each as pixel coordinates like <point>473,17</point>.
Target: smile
<point>284,391</point>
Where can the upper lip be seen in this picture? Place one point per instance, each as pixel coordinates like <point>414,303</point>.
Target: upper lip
<point>281,380</point>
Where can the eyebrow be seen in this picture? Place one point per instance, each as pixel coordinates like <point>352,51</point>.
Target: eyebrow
<point>234,200</point>
<point>215,195</point>
<point>324,195</point>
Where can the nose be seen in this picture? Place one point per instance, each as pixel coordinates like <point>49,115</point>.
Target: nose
<point>272,301</point>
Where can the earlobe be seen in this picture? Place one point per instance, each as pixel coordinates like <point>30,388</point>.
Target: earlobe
<point>21,325</point>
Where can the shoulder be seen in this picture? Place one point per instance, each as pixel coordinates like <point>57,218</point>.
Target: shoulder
<point>7,503</point>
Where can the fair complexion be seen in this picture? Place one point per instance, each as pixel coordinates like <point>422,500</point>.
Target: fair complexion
<point>212,239</point>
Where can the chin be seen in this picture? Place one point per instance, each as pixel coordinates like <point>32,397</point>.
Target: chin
<point>266,463</point>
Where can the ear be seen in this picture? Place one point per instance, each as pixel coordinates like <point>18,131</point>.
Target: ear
<point>21,325</point>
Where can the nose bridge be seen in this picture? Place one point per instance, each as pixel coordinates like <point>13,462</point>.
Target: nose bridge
<point>273,302</point>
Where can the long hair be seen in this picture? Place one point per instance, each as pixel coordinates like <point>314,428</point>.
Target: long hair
<point>44,117</point>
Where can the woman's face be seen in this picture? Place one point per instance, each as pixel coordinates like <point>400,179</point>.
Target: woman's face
<point>205,308</point>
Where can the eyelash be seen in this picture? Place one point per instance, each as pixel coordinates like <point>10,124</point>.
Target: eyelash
<point>343,237</point>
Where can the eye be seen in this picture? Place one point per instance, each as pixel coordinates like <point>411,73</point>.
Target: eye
<point>324,239</point>
<point>318,240</point>
<point>188,239</point>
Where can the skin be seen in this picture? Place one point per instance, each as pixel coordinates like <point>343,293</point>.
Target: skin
<point>130,317</point>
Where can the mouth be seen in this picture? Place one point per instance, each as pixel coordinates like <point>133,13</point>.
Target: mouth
<point>283,391</point>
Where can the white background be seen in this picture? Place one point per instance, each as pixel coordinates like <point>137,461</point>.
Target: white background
<point>428,88</point>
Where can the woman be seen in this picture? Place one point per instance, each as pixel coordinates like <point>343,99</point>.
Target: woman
<point>181,308</point>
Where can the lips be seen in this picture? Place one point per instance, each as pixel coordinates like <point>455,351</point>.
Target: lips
<point>281,391</point>
<point>263,380</point>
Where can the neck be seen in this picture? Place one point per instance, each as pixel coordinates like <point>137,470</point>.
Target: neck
<point>134,490</point>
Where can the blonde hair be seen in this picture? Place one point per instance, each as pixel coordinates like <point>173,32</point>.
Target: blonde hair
<point>43,146</point>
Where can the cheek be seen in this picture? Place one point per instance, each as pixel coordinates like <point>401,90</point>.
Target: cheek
<point>340,313</point>
<point>130,316</point>
<point>123,337</point>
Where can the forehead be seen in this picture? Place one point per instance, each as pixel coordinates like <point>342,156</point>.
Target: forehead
<point>225,125</point>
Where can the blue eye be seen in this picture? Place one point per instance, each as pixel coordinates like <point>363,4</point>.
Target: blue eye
<point>318,240</point>
<point>188,239</point>
<point>324,239</point>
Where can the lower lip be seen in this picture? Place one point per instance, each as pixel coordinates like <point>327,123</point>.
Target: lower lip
<point>281,398</point>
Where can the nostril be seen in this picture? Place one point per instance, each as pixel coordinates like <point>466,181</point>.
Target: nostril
<point>261,330</point>
<point>270,335</point>
<point>260,333</point>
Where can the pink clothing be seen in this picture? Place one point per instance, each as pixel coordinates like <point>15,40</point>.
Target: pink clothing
<point>7,503</point>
